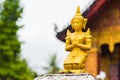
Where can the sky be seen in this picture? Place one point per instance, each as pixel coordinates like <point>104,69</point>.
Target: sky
<point>38,35</point>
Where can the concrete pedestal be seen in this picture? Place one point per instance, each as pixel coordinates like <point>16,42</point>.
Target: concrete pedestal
<point>82,76</point>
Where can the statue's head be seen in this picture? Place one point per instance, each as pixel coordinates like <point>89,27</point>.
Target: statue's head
<point>78,22</point>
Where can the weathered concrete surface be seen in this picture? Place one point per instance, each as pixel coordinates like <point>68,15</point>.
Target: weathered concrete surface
<point>83,76</point>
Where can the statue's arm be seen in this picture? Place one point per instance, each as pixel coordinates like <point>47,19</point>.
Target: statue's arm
<point>68,45</point>
<point>87,44</point>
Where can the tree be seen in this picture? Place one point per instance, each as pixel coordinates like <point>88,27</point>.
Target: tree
<point>12,67</point>
<point>52,67</point>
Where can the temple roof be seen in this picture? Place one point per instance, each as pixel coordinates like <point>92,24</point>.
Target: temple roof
<point>93,9</point>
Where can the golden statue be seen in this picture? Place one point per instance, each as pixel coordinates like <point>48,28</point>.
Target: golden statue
<point>77,44</point>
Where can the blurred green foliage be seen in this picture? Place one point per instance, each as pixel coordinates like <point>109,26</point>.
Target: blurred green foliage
<point>12,67</point>
<point>52,67</point>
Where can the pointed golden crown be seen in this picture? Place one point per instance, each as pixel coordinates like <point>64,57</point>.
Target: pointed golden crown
<point>78,11</point>
<point>78,15</point>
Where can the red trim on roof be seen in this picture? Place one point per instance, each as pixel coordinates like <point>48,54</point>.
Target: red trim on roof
<point>95,8</point>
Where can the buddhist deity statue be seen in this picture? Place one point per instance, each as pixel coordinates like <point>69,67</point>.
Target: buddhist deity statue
<point>77,43</point>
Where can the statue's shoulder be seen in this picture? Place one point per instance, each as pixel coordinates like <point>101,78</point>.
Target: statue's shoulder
<point>68,34</point>
<point>87,33</point>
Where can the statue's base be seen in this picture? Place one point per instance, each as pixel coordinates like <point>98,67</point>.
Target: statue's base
<point>82,76</point>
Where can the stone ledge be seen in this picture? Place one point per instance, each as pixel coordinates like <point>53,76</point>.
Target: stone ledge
<point>82,76</point>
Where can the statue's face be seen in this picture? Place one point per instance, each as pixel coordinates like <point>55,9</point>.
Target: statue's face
<point>77,24</point>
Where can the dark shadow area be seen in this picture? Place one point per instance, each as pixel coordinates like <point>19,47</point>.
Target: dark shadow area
<point>105,50</point>
<point>115,58</point>
<point>116,53</point>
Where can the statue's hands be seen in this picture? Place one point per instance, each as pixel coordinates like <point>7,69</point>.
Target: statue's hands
<point>74,44</point>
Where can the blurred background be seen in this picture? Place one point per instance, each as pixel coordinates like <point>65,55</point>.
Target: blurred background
<point>32,36</point>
